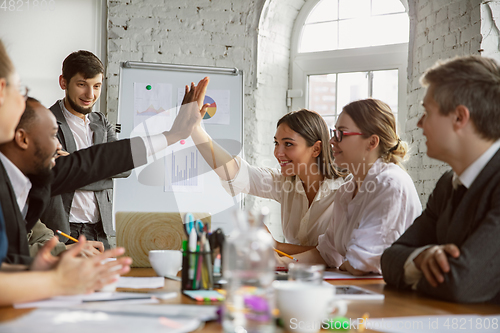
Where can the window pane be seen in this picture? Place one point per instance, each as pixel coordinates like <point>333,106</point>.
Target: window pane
<point>372,31</point>
<point>387,7</point>
<point>325,10</point>
<point>382,29</point>
<point>319,37</point>
<point>322,93</point>
<point>354,33</point>
<point>354,8</point>
<point>330,121</point>
<point>351,87</point>
<point>385,88</point>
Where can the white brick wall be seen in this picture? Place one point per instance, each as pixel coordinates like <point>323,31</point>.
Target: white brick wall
<point>254,35</point>
<point>440,29</point>
<point>273,59</point>
<point>221,33</point>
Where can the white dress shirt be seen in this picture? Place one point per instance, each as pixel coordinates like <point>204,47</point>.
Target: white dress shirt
<point>301,223</point>
<point>84,207</point>
<point>20,184</point>
<point>412,273</point>
<point>364,226</point>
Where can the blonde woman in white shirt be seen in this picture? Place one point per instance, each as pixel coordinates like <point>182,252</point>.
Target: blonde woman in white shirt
<point>378,204</point>
<point>305,184</point>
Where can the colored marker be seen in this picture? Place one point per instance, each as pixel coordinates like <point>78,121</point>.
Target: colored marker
<point>192,248</point>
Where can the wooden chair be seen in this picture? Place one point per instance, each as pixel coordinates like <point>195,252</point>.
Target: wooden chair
<point>140,232</point>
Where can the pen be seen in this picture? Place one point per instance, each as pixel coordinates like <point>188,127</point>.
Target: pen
<point>197,266</point>
<point>67,236</point>
<point>188,223</point>
<point>286,255</point>
<point>208,260</point>
<point>217,264</point>
<point>192,258</point>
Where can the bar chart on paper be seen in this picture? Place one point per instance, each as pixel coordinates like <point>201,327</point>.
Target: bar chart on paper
<point>183,169</point>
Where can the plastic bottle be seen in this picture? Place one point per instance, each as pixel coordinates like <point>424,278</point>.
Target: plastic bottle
<point>248,267</point>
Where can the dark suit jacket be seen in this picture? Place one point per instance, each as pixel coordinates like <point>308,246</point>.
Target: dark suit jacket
<point>56,216</point>
<point>474,227</point>
<point>71,172</point>
<point>3,237</point>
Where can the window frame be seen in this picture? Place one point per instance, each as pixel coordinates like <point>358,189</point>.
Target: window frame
<point>373,58</point>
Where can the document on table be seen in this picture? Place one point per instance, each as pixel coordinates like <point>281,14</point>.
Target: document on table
<point>83,321</point>
<point>340,275</point>
<point>201,312</point>
<point>74,300</point>
<point>435,324</point>
<point>140,282</point>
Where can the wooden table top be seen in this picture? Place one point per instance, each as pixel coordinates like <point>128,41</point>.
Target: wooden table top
<point>397,303</point>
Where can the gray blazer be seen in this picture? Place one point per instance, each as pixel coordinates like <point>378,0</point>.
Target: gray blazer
<point>56,216</point>
<point>474,227</point>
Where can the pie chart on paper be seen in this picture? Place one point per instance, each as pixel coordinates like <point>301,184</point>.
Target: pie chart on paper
<point>212,108</point>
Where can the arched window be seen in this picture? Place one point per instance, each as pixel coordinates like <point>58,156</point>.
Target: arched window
<point>345,50</point>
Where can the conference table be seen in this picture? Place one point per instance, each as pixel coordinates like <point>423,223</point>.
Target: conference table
<point>397,303</point>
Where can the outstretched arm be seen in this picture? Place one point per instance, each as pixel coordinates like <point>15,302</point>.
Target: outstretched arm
<point>309,257</point>
<point>217,158</point>
<point>72,275</point>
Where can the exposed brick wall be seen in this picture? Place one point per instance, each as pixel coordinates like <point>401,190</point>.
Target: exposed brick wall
<point>273,59</point>
<point>254,35</point>
<point>220,33</point>
<point>439,29</point>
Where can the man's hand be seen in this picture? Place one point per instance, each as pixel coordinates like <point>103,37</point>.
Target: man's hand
<point>90,249</point>
<point>61,152</point>
<point>191,112</point>
<point>76,275</point>
<point>44,260</point>
<point>433,262</point>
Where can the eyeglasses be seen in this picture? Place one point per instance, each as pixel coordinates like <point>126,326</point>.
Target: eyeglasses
<point>339,134</point>
<point>24,90</point>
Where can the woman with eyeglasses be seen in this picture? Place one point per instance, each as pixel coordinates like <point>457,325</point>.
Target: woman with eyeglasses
<point>47,276</point>
<point>378,203</point>
<point>304,185</point>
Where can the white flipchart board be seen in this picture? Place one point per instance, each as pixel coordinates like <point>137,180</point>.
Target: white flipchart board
<point>226,84</point>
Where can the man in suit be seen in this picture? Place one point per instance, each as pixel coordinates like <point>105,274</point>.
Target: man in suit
<point>452,251</point>
<point>88,210</point>
<point>29,175</point>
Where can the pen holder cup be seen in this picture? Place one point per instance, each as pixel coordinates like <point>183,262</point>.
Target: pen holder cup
<point>197,271</point>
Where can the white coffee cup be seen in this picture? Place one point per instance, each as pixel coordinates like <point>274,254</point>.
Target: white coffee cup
<point>111,287</point>
<point>166,262</point>
<point>304,307</point>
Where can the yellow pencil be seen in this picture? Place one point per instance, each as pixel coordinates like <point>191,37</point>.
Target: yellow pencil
<point>362,326</point>
<point>67,236</point>
<point>284,254</point>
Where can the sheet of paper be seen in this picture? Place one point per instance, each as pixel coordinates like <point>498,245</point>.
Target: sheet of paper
<point>82,321</point>
<point>74,300</point>
<point>150,100</point>
<point>140,282</point>
<point>201,312</point>
<point>183,168</point>
<point>218,112</point>
<point>435,324</point>
<point>337,275</point>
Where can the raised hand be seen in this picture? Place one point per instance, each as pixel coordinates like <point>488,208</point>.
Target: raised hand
<point>190,113</point>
